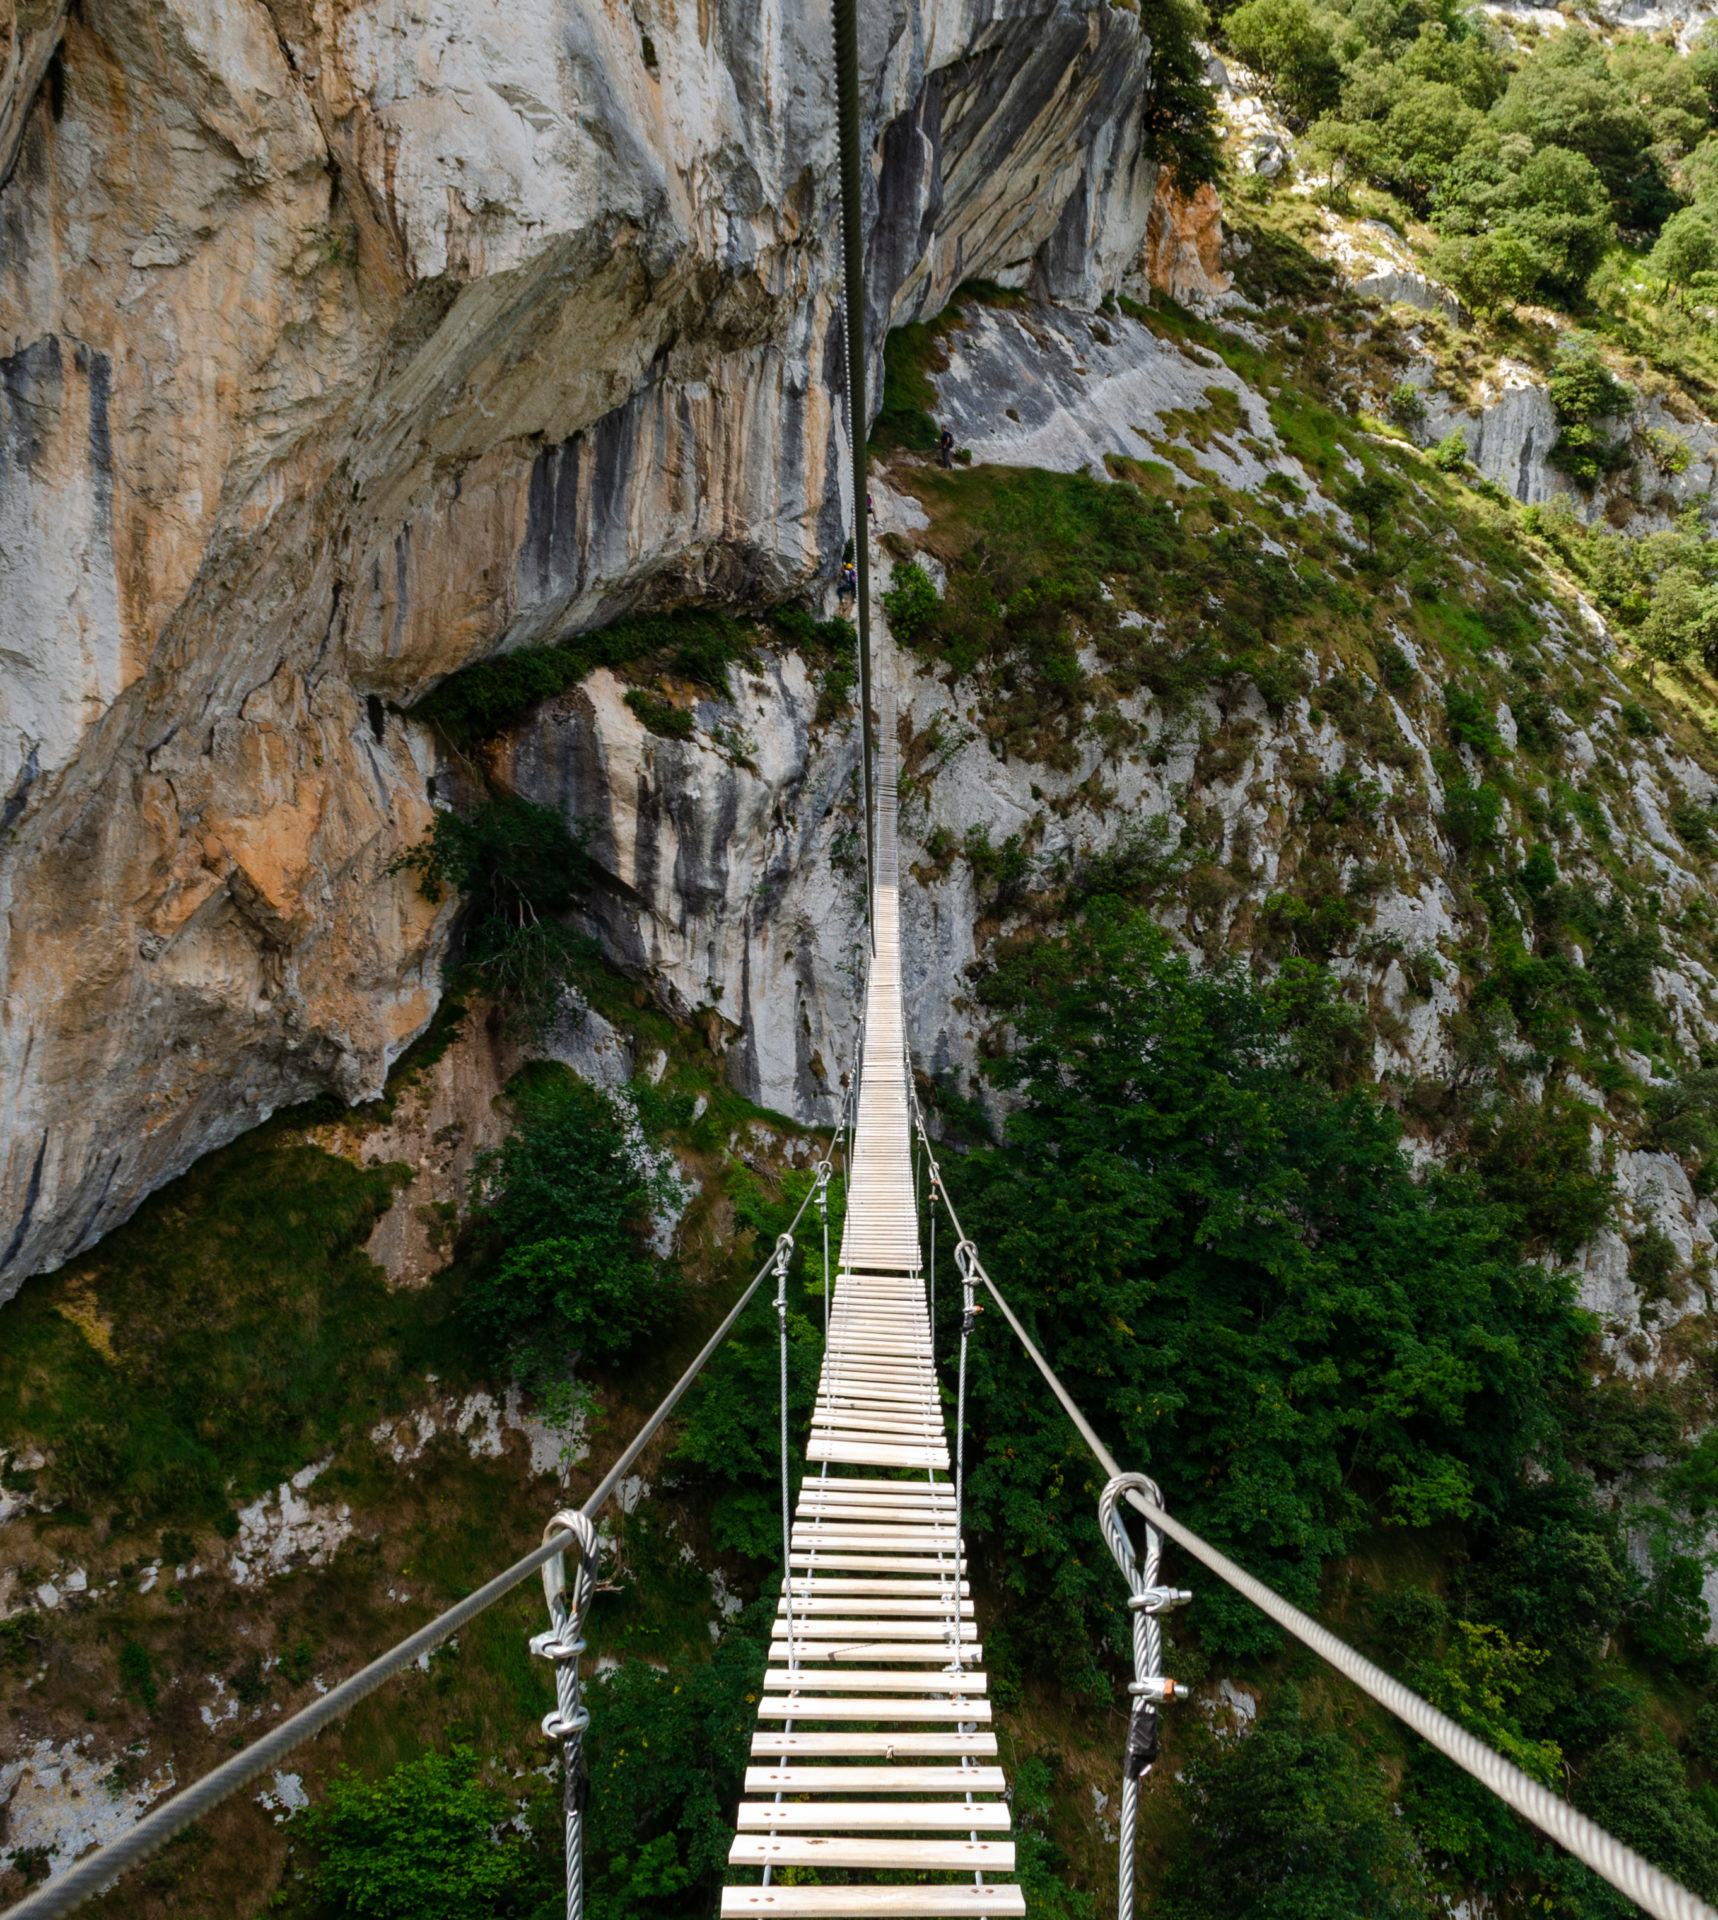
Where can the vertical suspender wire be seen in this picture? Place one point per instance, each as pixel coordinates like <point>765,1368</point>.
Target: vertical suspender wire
<point>858,415</point>
<point>783,1248</point>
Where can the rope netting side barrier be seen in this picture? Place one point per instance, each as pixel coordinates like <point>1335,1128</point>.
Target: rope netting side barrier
<point>1643,1883</point>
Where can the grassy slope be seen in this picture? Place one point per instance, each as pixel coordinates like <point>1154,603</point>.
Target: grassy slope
<point>228,1335</point>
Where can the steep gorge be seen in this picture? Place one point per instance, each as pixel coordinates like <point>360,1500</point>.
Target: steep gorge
<point>344,353</point>
<point>353,351</point>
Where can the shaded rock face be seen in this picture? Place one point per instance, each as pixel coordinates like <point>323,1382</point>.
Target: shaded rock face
<point>344,348</point>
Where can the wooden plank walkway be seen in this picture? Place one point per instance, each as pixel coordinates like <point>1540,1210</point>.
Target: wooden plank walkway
<point>874,1754</point>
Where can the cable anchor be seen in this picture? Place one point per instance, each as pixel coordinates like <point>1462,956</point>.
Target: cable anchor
<point>1147,1603</point>
<point>569,1601</point>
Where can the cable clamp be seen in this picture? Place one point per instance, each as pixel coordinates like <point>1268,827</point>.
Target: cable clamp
<point>1158,1599</point>
<point>551,1645</point>
<point>1157,1686</point>
<point>555,1728</point>
<point>1142,1742</point>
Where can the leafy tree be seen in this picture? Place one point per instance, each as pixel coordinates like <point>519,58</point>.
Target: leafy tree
<point>564,1220</point>
<point>1687,246</point>
<point>1373,501</point>
<point>1583,393</point>
<point>667,1755</point>
<point>1291,1823</point>
<point>1669,91</point>
<point>1566,97</point>
<point>518,868</point>
<point>1338,148</point>
<point>1267,1307</point>
<point>1643,1798</point>
<point>1489,272</point>
<point>1425,130</point>
<point>427,1842</point>
<point>1682,623</point>
<point>1282,40</point>
<point>1556,207</point>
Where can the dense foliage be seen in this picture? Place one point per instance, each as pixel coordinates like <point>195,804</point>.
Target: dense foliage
<point>1526,159</point>
<point>1293,1823</point>
<point>1271,1313</point>
<point>517,868</point>
<point>477,702</point>
<point>565,1214</point>
<point>428,1841</point>
<point>214,1349</point>
<point>667,1756</point>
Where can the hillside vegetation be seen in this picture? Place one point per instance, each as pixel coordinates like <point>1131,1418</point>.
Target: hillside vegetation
<point>1381,1239</point>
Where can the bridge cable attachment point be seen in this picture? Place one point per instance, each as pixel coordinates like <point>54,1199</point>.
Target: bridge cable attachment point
<point>1147,1602</point>
<point>569,1601</point>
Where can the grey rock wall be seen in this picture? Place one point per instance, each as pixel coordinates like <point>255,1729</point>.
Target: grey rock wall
<point>346,347</point>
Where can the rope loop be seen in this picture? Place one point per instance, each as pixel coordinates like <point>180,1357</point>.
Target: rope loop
<point>567,1606</point>
<point>1138,1574</point>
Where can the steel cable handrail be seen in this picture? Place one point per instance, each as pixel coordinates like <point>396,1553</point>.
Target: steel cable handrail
<point>97,1871</point>
<point>1631,1875</point>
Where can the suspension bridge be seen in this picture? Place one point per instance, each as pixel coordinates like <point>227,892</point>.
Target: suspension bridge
<point>874,1788</point>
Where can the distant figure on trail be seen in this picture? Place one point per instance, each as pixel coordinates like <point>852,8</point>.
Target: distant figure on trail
<point>871,507</point>
<point>945,448</point>
<point>849,582</point>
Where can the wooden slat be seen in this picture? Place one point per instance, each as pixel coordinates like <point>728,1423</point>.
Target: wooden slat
<point>792,1779</point>
<point>933,1653</point>
<point>873,1816</point>
<point>879,1682</point>
<point>835,1850</point>
<point>868,1741</point>
<point>838,1706</point>
<point>886,1903</point>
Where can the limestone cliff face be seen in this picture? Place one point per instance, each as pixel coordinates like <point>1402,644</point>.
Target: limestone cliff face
<point>343,347</point>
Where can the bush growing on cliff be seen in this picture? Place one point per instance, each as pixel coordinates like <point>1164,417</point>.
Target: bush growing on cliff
<point>1290,1823</point>
<point>517,868</point>
<point>479,701</point>
<point>429,1841</point>
<point>565,1212</point>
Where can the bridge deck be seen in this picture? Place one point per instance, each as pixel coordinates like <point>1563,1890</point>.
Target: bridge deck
<point>874,1726</point>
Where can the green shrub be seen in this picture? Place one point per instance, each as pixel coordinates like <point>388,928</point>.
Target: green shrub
<point>479,701</point>
<point>517,866</point>
<point>1291,48</point>
<point>137,1674</point>
<point>1471,816</point>
<point>911,602</point>
<point>247,1322</point>
<point>1583,392</point>
<point>1450,454</point>
<point>673,723</point>
<point>1290,1823</point>
<point>1472,720</point>
<point>1642,1798</point>
<point>1187,1217</point>
<point>427,1842</point>
<point>564,1220</point>
<point>1407,407</point>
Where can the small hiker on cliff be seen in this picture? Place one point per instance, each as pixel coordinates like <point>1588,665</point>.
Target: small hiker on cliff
<point>849,586</point>
<point>945,448</point>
